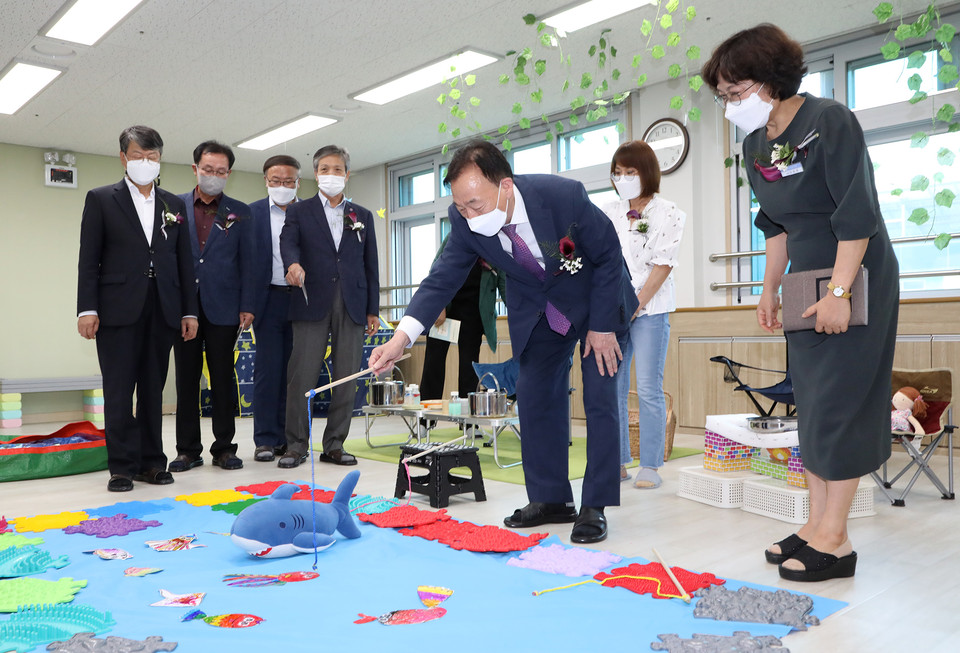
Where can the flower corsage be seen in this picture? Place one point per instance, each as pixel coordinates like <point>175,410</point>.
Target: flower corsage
<point>566,252</point>
<point>355,225</point>
<point>228,221</point>
<point>169,217</point>
<point>638,221</point>
<point>784,160</point>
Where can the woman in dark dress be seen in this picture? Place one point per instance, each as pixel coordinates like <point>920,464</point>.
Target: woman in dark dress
<point>808,165</point>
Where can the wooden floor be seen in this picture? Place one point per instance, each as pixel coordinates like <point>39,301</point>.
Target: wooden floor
<point>905,596</point>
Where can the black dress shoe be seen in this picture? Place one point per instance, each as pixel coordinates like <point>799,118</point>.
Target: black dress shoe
<point>227,461</point>
<point>155,477</point>
<point>590,527</point>
<point>183,462</point>
<point>119,483</point>
<point>788,546</point>
<point>818,566</point>
<point>264,454</point>
<point>536,513</point>
<point>279,451</point>
<point>338,457</point>
<point>289,460</point>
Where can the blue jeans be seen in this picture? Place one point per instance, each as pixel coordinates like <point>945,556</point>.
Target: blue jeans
<point>649,336</point>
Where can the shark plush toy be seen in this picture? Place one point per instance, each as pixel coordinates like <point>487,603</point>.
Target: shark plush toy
<point>281,527</point>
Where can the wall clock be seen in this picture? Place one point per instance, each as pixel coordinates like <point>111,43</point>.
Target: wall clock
<point>670,142</point>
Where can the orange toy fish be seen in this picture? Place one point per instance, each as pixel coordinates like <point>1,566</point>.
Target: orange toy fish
<point>225,620</point>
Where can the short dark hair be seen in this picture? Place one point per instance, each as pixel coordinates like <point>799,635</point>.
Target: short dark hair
<point>483,154</point>
<point>763,54</point>
<point>145,137</point>
<point>214,147</point>
<point>327,150</point>
<point>639,155</point>
<point>280,160</point>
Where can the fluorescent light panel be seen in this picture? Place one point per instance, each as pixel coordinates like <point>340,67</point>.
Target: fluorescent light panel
<point>287,132</point>
<point>88,20</point>
<point>592,12</point>
<point>425,77</point>
<point>21,83</point>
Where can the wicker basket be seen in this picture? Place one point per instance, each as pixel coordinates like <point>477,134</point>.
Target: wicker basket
<point>633,422</point>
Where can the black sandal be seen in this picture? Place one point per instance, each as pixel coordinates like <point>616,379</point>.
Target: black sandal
<point>788,546</point>
<point>818,566</point>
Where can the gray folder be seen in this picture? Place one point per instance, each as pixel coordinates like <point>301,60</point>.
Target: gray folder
<point>799,290</point>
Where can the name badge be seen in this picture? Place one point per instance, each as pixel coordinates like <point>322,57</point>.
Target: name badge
<point>792,169</point>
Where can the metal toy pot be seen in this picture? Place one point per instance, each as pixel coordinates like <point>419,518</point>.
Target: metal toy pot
<point>492,403</point>
<point>387,392</point>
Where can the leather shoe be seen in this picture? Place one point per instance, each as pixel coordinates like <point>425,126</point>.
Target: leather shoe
<point>119,483</point>
<point>536,513</point>
<point>290,459</point>
<point>227,460</point>
<point>183,462</point>
<point>338,457</point>
<point>590,527</point>
<point>264,454</point>
<point>155,477</point>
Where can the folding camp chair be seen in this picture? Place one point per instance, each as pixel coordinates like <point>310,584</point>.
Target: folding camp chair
<point>936,387</point>
<point>779,393</point>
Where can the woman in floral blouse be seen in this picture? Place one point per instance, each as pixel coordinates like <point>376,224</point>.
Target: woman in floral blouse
<point>649,228</point>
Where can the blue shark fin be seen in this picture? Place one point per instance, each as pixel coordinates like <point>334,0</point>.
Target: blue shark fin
<point>346,523</point>
<point>285,491</point>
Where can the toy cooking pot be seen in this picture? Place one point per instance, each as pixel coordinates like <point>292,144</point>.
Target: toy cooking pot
<point>387,392</point>
<point>492,403</point>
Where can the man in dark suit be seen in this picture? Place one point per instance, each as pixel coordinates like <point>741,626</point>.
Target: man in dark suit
<point>272,323</point>
<point>220,230</point>
<point>330,251</point>
<point>134,293</point>
<point>566,282</point>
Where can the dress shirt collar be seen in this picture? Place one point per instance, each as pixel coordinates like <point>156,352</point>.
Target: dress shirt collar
<point>519,216</point>
<point>135,192</point>
<point>273,204</point>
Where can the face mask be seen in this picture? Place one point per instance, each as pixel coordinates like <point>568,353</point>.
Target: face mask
<point>142,171</point>
<point>489,223</point>
<point>751,114</point>
<point>628,187</point>
<point>281,195</point>
<point>331,185</point>
<point>211,184</point>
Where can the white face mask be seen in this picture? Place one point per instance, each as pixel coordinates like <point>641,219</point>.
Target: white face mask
<point>489,223</point>
<point>628,187</point>
<point>143,171</point>
<point>211,184</point>
<point>331,185</point>
<point>751,114</point>
<point>281,195</point>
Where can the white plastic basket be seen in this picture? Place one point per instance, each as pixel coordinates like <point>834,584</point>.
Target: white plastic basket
<point>719,489</point>
<point>772,497</point>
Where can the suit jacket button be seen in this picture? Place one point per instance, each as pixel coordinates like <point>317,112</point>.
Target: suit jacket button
<point>151,251</point>
<point>201,260</point>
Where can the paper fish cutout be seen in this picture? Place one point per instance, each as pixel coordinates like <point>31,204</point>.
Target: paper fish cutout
<point>429,595</point>
<point>174,544</point>
<point>262,580</point>
<point>111,554</point>
<point>141,571</point>
<point>225,620</point>
<point>170,599</point>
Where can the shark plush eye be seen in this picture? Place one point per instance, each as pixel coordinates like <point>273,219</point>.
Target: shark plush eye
<point>283,524</point>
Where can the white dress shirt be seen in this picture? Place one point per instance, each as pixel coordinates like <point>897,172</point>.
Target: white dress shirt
<point>144,206</point>
<point>334,218</point>
<point>277,216</point>
<point>658,246</point>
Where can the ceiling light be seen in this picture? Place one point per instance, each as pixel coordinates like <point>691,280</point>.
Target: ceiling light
<point>594,11</point>
<point>21,82</point>
<point>88,20</point>
<point>425,77</point>
<point>286,132</point>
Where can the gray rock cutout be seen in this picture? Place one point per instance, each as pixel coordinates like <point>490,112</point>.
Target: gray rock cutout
<point>739,642</point>
<point>83,642</point>
<point>757,606</point>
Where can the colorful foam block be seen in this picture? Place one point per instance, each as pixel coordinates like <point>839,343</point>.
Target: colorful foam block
<point>10,423</point>
<point>10,405</point>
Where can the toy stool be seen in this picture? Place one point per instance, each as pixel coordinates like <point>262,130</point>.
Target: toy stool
<point>439,484</point>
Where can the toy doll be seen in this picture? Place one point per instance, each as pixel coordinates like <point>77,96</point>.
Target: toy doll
<point>908,409</point>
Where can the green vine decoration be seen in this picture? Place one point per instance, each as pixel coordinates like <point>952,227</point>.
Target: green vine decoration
<point>594,87</point>
<point>916,38</point>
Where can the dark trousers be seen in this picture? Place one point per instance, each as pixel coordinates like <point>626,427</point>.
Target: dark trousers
<point>544,406</point>
<point>303,371</point>
<point>217,341</point>
<point>435,357</point>
<point>135,358</point>
<point>274,342</point>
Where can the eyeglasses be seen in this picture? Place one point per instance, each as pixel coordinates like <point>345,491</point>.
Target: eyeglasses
<point>734,98</point>
<point>289,183</point>
<point>210,172</point>
<point>616,177</point>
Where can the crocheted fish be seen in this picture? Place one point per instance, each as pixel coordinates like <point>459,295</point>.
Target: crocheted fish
<point>430,596</point>
<point>224,620</point>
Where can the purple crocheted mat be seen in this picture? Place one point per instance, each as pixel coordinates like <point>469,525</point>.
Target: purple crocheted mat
<point>108,526</point>
<point>557,559</point>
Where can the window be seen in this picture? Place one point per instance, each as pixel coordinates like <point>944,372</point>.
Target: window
<point>587,147</point>
<point>603,196</point>
<point>874,82</point>
<point>416,188</point>
<point>533,159</point>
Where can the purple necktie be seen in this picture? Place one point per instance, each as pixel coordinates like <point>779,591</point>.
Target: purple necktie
<point>522,255</point>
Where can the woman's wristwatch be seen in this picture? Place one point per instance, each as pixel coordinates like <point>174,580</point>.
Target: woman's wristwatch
<point>838,291</point>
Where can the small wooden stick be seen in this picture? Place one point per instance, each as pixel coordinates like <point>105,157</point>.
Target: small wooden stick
<point>432,449</point>
<point>684,595</point>
<point>315,391</point>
